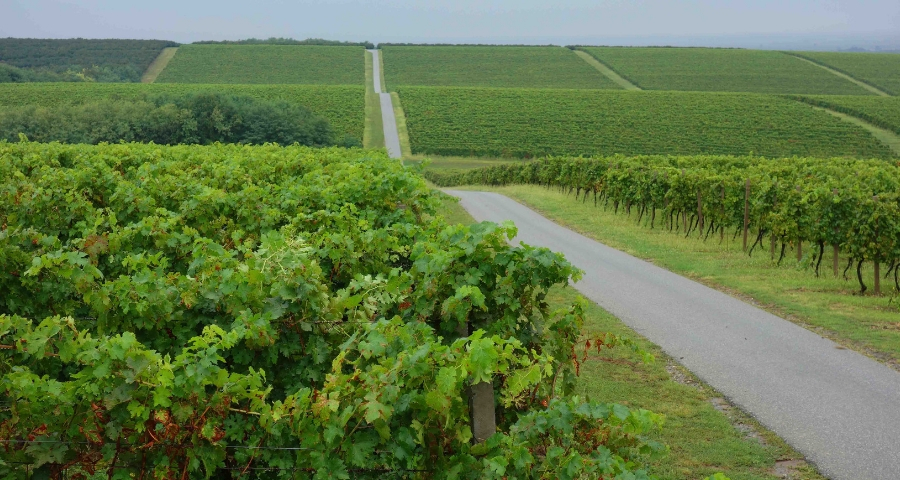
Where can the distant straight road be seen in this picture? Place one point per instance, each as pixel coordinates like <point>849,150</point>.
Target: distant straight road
<point>839,408</point>
<point>391,137</point>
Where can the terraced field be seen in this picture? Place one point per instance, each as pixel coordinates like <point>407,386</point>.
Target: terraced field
<point>270,64</point>
<point>881,70</point>
<point>342,106</point>
<point>527,123</point>
<point>883,112</point>
<point>721,70</point>
<point>526,67</point>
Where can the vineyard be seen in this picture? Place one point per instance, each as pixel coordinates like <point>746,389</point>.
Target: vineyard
<point>883,112</point>
<point>721,70</point>
<point>847,205</point>
<point>266,64</point>
<point>527,67</point>
<point>881,70</point>
<point>261,312</point>
<point>342,106</point>
<point>530,123</point>
<point>81,59</point>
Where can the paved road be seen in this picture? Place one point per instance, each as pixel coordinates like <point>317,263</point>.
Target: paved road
<point>837,407</point>
<point>391,137</point>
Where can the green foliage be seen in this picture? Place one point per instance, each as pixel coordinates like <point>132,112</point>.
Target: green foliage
<point>852,204</point>
<point>883,112</point>
<point>266,64</point>
<point>881,70</point>
<point>196,118</point>
<point>721,70</point>
<point>532,67</point>
<point>530,123</point>
<point>286,41</point>
<point>77,60</point>
<point>263,311</point>
<point>342,106</point>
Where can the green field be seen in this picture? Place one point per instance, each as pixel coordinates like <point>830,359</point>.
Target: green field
<point>881,70</point>
<point>721,70</point>
<point>80,59</point>
<point>526,67</point>
<point>880,111</point>
<point>342,106</point>
<point>527,123</point>
<point>270,64</point>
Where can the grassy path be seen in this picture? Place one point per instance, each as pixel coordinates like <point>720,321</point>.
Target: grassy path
<point>159,65</point>
<point>373,136</point>
<point>887,137</point>
<point>610,73</point>
<point>843,75</point>
<point>704,432</point>
<point>402,132</point>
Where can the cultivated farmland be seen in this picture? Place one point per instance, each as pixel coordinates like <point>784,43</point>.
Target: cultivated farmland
<point>80,59</point>
<point>272,64</point>
<point>528,67</point>
<point>721,70</point>
<point>342,106</point>
<point>524,123</point>
<point>880,111</point>
<point>881,70</point>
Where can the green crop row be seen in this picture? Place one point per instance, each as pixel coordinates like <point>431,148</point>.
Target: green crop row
<point>342,106</point>
<point>881,70</point>
<point>880,111</point>
<point>721,70</point>
<point>81,59</point>
<point>184,312</point>
<point>852,205</point>
<point>266,64</point>
<point>531,123</point>
<point>525,67</point>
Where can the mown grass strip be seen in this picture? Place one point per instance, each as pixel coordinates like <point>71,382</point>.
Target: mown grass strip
<point>373,136</point>
<point>402,130</point>
<point>605,70</point>
<point>159,64</point>
<point>867,86</point>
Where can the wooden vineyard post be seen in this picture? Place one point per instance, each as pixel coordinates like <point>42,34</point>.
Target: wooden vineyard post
<point>877,278</point>
<point>482,413</point>
<point>700,212</point>
<point>746,212</point>
<point>836,266</point>
<point>722,231</point>
<point>772,234</point>
<point>799,250</point>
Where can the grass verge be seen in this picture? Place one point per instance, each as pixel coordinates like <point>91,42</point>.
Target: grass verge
<point>402,132</point>
<point>373,135</point>
<point>827,305</point>
<point>704,432</point>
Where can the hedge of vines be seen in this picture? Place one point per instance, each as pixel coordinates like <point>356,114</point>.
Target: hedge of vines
<point>851,205</point>
<point>266,312</point>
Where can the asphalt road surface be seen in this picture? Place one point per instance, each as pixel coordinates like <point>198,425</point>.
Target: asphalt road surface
<point>837,407</point>
<point>391,137</point>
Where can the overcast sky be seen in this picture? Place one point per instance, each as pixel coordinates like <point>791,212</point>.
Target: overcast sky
<point>501,21</point>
